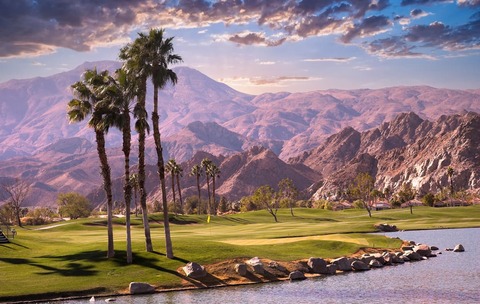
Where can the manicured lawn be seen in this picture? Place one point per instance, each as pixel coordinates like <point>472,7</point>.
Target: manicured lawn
<point>70,259</point>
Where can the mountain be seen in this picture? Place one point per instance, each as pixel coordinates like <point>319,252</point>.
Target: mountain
<point>319,131</point>
<point>405,150</point>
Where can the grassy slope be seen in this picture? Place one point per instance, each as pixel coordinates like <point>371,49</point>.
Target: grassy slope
<point>71,258</point>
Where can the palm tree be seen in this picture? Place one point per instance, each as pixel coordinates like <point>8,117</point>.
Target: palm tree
<point>450,172</point>
<point>160,55</point>
<point>171,168</point>
<point>135,65</point>
<point>87,102</point>
<point>135,187</point>
<point>197,172</point>
<point>213,172</point>
<point>206,163</point>
<point>121,93</point>
<point>178,174</point>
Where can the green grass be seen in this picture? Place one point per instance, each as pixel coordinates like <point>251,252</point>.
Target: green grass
<point>70,259</point>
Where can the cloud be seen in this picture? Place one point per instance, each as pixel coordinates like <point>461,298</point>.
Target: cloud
<point>367,27</point>
<point>32,28</point>
<point>267,62</point>
<point>249,38</point>
<point>36,63</point>
<point>423,2</point>
<point>278,80</point>
<point>336,59</point>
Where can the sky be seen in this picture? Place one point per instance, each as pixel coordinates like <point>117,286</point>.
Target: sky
<point>257,46</point>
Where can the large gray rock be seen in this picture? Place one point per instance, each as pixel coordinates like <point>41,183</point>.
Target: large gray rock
<point>358,265</point>
<point>241,269</point>
<point>317,265</point>
<point>367,258</point>
<point>257,265</point>
<point>423,250</point>
<point>332,269</point>
<point>194,270</point>
<point>139,288</point>
<point>375,264</point>
<point>296,275</point>
<point>343,264</point>
<point>379,257</point>
<point>459,248</point>
<point>412,256</point>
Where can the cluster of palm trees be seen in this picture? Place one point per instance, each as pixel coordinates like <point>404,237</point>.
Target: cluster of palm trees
<point>212,172</point>
<point>109,100</point>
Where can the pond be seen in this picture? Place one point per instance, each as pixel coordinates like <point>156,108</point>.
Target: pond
<point>448,278</point>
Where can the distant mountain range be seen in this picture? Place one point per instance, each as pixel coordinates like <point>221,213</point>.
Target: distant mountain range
<point>318,138</point>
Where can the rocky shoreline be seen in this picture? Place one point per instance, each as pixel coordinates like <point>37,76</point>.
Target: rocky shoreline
<point>255,270</point>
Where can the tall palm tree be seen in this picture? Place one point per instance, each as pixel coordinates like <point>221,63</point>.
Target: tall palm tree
<point>206,163</point>
<point>120,91</point>
<point>197,172</point>
<point>171,168</point>
<point>135,64</point>
<point>213,172</point>
<point>88,102</point>
<point>160,54</point>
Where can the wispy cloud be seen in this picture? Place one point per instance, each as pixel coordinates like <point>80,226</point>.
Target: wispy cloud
<point>333,59</point>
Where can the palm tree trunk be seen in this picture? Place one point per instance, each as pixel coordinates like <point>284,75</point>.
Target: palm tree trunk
<point>161,172</point>
<point>141,173</point>
<point>199,197</point>
<point>214,206</point>
<point>209,196</point>
<point>107,186</point>
<point>179,193</point>
<point>127,188</point>
<point>173,193</point>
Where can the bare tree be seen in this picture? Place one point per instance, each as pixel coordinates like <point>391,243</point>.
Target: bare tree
<point>17,193</point>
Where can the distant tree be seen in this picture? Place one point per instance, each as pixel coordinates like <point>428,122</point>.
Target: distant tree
<point>362,188</point>
<point>206,163</point>
<point>406,194</point>
<point>176,172</point>
<point>265,196</point>
<point>288,192</point>
<point>222,207</point>
<point>214,173</point>
<point>428,199</point>
<point>197,172</point>
<point>17,194</point>
<point>73,205</point>
<point>450,173</point>
<point>135,186</point>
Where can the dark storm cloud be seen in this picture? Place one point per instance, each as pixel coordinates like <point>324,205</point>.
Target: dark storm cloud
<point>435,35</point>
<point>368,27</point>
<point>35,27</point>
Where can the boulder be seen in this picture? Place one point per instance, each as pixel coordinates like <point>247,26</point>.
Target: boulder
<point>380,257</point>
<point>296,275</point>
<point>459,248</point>
<point>406,248</point>
<point>139,288</point>
<point>423,250</point>
<point>241,269</point>
<point>386,227</point>
<point>317,265</point>
<point>194,270</point>
<point>375,264</point>
<point>367,258</point>
<point>277,266</point>
<point>434,248</point>
<point>412,256</point>
<point>332,268</point>
<point>358,265</point>
<point>343,264</point>
<point>257,265</point>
